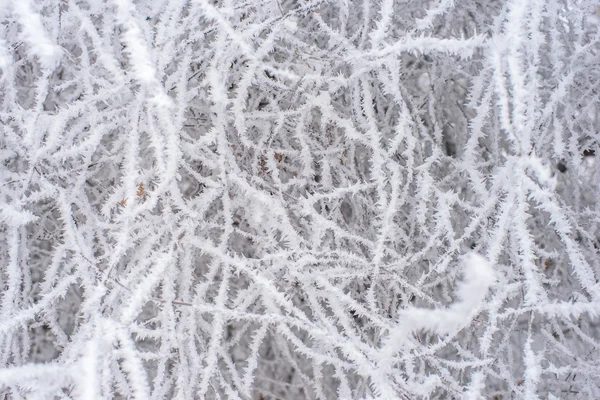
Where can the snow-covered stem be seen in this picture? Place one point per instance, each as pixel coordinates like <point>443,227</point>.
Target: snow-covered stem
<point>299,199</point>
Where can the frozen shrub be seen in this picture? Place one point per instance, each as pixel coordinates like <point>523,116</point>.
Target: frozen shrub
<point>299,199</point>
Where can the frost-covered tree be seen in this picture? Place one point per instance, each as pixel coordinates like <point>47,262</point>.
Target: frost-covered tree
<point>299,199</point>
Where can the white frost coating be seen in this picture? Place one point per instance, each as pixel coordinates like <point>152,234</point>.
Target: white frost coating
<point>141,293</point>
<point>142,65</point>
<point>5,57</point>
<point>477,385</point>
<point>89,385</point>
<point>14,217</point>
<point>235,199</point>
<point>139,56</point>
<point>42,378</point>
<point>478,278</point>
<point>34,34</point>
<point>533,371</point>
<point>439,9</point>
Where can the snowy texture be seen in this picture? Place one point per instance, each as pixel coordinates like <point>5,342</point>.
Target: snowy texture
<point>299,199</point>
